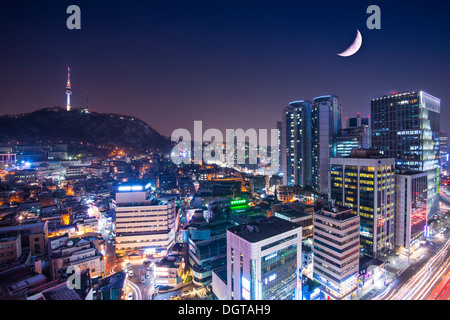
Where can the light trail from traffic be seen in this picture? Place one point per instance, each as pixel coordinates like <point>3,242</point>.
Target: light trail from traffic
<point>137,295</point>
<point>420,285</point>
<point>442,291</point>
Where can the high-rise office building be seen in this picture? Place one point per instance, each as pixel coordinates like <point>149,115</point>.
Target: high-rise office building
<point>443,151</point>
<point>355,135</point>
<point>411,215</point>
<point>326,125</point>
<point>336,251</point>
<point>280,156</point>
<point>357,121</point>
<point>346,143</point>
<point>443,142</point>
<point>406,126</point>
<point>143,222</point>
<point>365,182</point>
<point>264,261</point>
<point>296,144</point>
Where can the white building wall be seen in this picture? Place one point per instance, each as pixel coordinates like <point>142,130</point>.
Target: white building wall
<point>252,251</point>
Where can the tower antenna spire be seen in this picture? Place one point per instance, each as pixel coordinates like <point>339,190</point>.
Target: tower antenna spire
<point>68,89</point>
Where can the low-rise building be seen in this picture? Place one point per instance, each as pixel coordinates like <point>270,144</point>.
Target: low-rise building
<point>34,236</point>
<point>77,252</point>
<point>10,249</point>
<point>300,218</point>
<point>111,287</point>
<point>207,250</point>
<point>169,270</point>
<point>18,281</point>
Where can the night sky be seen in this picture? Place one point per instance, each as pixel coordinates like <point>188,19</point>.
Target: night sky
<point>231,64</point>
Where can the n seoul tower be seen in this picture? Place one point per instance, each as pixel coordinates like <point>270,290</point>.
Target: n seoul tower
<point>68,89</point>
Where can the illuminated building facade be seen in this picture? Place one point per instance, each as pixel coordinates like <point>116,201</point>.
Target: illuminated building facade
<point>296,144</point>
<point>357,121</point>
<point>365,182</point>
<point>345,144</point>
<point>443,142</point>
<point>336,251</point>
<point>359,126</point>
<point>443,152</point>
<point>263,261</point>
<point>207,250</point>
<point>142,221</point>
<point>411,215</point>
<point>326,125</point>
<point>406,126</point>
<point>8,158</point>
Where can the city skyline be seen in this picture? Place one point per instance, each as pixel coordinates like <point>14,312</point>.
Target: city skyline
<point>154,60</point>
<point>224,151</point>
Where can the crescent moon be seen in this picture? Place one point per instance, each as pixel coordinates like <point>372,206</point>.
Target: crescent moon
<point>354,47</point>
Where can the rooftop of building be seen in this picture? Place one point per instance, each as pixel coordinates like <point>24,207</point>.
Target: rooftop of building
<point>150,201</point>
<point>171,261</point>
<point>10,239</point>
<point>134,186</point>
<point>216,228</point>
<point>114,281</point>
<point>336,212</point>
<point>23,283</point>
<point>312,284</point>
<point>263,229</point>
<point>325,97</point>
<point>366,153</point>
<point>23,226</point>
<point>394,94</point>
<point>306,248</point>
<point>293,103</point>
<point>61,292</point>
<point>221,273</point>
<point>366,261</point>
<point>411,173</point>
<point>294,214</point>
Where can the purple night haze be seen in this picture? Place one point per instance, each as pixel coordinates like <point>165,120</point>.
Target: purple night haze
<point>231,64</point>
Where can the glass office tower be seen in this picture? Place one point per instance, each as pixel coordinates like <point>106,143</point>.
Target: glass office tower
<point>406,126</point>
<point>326,125</point>
<point>295,144</point>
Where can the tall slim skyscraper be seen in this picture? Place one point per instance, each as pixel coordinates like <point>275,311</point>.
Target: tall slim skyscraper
<point>406,126</point>
<point>326,125</point>
<point>296,144</point>
<point>280,156</point>
<point>68,90</point>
